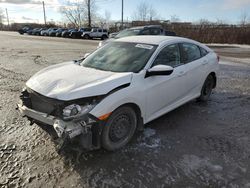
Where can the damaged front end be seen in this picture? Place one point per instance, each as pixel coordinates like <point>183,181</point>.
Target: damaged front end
<point>70,121</point>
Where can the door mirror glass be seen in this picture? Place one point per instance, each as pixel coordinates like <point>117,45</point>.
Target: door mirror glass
<point>160,70</point>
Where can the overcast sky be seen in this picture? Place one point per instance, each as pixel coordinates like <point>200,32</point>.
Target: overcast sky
<point>187,10</point>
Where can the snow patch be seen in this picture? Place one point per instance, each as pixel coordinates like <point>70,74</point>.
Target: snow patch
<point>148,139</point>
<point>148,133</point>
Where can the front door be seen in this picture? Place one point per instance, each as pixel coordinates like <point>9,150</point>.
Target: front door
<point>165,91</point>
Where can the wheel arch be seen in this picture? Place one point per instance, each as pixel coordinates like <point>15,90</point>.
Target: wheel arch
<point>213,74</point>
<point>136,108</point>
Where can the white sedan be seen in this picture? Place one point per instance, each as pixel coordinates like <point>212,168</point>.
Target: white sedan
<point>102,100</point>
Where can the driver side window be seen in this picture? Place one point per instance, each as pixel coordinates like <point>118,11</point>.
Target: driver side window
<point>170,56</point>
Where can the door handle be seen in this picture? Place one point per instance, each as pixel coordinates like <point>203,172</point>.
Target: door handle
<point>204,62</point>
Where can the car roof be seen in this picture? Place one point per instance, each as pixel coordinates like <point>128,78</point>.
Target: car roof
<point>145,27</point>
<point>155,40</point>
<point>158,40</point>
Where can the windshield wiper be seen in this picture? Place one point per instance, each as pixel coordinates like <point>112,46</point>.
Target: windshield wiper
<point>78,62</point>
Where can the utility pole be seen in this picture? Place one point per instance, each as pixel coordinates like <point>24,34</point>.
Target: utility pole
<point>89,14</point>
<point>7,15</point>
<point>122,13</point>
<point>44,14</point>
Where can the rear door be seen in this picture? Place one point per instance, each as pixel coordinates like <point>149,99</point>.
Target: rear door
<point>99,34</point>
<point>196,66</point>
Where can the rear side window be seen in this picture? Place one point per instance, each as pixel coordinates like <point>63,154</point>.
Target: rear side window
<point>155,31</point>
<point>145,32</point>
<point>105,30</point>
<point>170,55</point>
<point>203,52</point>
<point>99,30</point>
<point>190,52</point>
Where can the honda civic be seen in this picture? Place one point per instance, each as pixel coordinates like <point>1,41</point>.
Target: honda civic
<point>104,98</point>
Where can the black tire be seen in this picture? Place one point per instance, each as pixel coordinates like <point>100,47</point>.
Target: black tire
<point>207,89</point>
<point>119,128</point>
<point>86,37</point>
<point>104,37</point>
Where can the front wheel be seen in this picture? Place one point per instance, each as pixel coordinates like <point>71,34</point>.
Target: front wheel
<point>207,89</point>
<point>119,128</point>
<point>104,37</point>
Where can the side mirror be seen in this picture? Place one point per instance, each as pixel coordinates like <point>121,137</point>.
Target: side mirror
<point>160,70</point>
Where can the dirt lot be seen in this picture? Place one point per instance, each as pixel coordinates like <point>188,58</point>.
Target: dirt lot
<point>196,145</point>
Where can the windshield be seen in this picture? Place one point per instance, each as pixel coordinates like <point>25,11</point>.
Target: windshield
<point>128,32</point>
<point>120,57</point>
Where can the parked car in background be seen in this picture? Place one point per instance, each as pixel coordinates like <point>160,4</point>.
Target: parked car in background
<point>30,32</point>
<point>52,32</point>
<point>99,101</point>
<point>47,31</point>
<point>60,31</point>
<point>142,30</point>
<point>37,31</point>
<point>78,33</point>
<point>24,30</point>
<point>113,35</point>
<point>96,33</point>
<point>66,33</point>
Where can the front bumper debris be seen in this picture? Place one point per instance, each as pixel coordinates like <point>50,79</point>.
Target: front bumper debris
<point>39,116</point>
<point>87,135</point>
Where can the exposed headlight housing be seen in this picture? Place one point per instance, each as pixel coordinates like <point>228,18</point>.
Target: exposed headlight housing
<point>76,111</point>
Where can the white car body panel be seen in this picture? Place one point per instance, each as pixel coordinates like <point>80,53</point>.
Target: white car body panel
<point>154,95</point>
<point>183,85</point>
<point>69,81</point>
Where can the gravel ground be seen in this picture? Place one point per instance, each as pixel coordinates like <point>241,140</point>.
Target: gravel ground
<point>196,145</point>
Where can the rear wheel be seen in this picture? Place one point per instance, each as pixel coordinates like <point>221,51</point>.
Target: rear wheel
<point>119,128</point>
<point>207,88</point>
<point>86,37</point>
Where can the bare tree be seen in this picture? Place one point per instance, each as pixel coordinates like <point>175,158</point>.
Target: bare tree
<point>243,18</point>
<point>90,8</point>
<point>2,17</point>
<point>80,12</point>
<point>175,18</point>
<point>152,13</point>
<point>74,13</point>
<point>107,15</point>
<point>144,12</point>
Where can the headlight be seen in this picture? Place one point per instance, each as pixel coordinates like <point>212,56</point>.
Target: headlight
<point>75,111</point>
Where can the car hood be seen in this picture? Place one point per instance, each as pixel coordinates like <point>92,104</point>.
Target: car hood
<point>109,40</point>
<point>69,81</point>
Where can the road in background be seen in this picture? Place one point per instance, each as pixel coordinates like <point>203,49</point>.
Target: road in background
<point>196,145</point>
